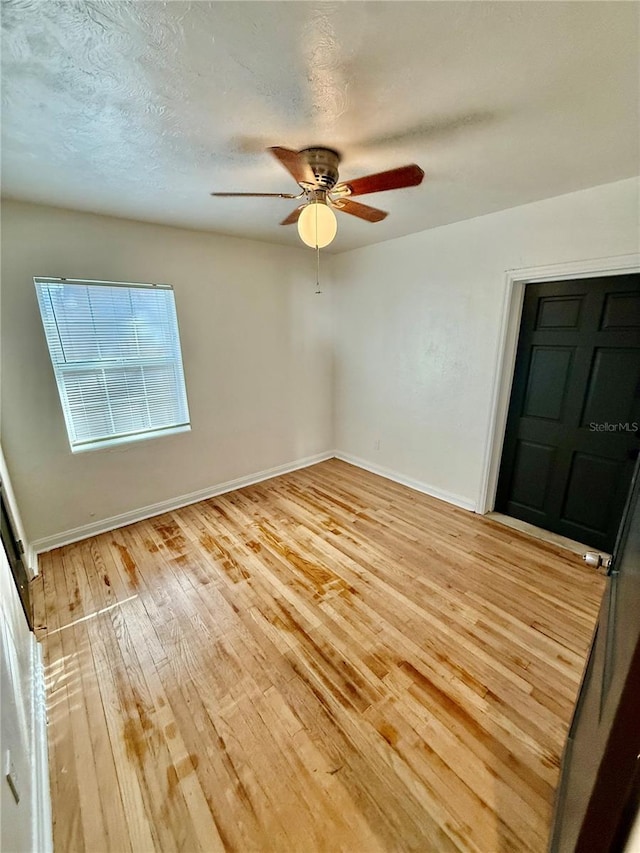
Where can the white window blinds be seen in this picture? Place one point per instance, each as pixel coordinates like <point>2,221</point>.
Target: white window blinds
<point>116,355</point>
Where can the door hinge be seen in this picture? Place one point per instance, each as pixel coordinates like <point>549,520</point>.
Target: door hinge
<point>20,546</point>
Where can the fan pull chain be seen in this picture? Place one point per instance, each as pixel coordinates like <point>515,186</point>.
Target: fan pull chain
<point>318,269</point>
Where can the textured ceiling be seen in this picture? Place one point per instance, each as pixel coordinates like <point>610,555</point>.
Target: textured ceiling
<point>140,109</point>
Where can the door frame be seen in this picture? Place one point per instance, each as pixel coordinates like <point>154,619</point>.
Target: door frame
<point>509,332</point>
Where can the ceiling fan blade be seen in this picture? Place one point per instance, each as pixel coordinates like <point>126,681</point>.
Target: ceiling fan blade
<point>295,164</point>
<point>256,195</point>
<point>362,211</point>
<point>293,216</point>
<point>394,179</point>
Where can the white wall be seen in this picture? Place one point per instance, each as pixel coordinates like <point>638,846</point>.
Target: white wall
<point>257,359</point>
<point>15,722</point>
<point>417,321</point>
<point>24,825</point>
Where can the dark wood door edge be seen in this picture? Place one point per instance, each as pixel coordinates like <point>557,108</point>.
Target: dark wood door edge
<point>604,821</point>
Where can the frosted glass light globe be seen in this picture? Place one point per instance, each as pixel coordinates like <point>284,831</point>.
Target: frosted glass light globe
<point>317,225</point>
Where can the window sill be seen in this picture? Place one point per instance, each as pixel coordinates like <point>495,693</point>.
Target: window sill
<point>122,441</point>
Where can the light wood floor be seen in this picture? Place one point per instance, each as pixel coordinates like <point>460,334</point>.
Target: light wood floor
<point>326,661</point>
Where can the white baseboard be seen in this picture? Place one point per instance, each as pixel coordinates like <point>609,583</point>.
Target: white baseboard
<point>57,540</point>
<point>42,833</point>
<point>417,485</point>
<point>66,537</point>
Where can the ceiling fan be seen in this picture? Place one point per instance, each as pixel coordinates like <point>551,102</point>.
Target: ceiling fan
<point>316,172</point>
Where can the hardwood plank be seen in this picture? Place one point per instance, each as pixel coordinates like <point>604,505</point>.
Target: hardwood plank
<point>326,661</point>
<point>69,833</point>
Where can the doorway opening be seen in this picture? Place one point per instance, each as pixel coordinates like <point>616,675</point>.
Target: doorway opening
<point>566,406</point>
<point>14,550</point>
<point>573,428</point>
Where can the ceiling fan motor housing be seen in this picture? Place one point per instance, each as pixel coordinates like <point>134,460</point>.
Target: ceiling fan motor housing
<point>324,163</point>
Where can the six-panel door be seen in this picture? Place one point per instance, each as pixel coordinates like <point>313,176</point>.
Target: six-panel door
<point>574,420</point>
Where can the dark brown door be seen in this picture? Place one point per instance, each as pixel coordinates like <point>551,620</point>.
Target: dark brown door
<point>596,799</point>
<point>573,429</point>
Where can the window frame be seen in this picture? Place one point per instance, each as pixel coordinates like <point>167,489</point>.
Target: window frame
<point>59,368</point>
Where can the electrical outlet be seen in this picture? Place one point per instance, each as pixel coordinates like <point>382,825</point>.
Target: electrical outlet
<point>376,444</point>
<point>11,776</point>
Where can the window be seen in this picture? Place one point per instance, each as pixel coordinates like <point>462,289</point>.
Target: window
<point>115,350</point>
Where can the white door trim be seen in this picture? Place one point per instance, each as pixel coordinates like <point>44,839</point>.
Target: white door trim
<point>42,827</point>
<point>515,281</point>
